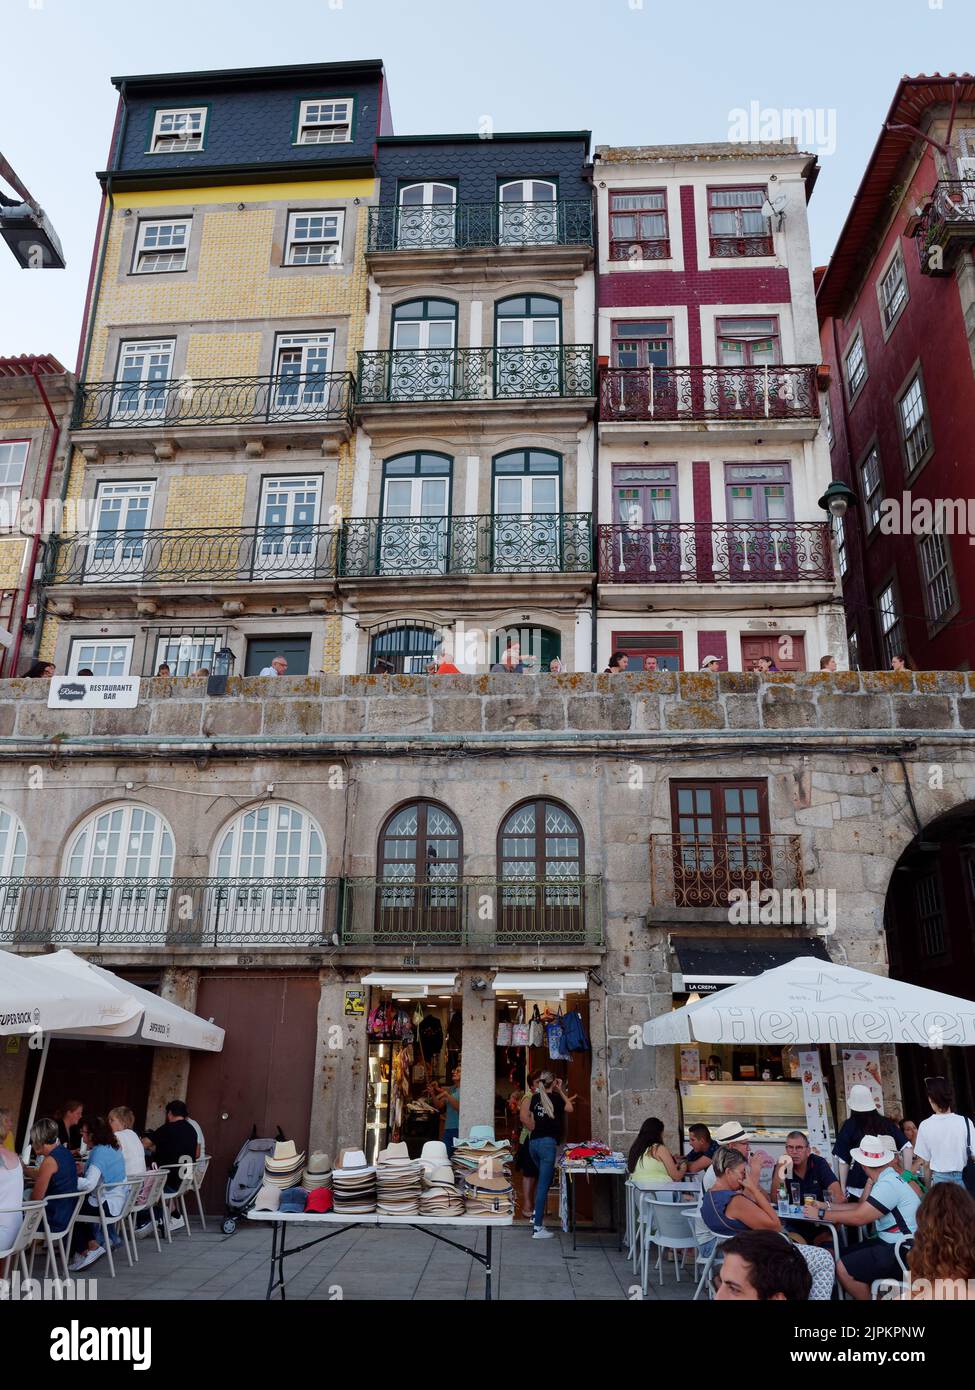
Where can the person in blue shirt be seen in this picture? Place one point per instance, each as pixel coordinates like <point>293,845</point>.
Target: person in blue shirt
<point>104,1179</point>
<point>702,1150</point>
<point>890,1204</point>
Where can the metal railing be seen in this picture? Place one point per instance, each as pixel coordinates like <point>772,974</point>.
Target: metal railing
<point>436,226</point>
<point>637,249</point>
<point>281,399</point>
<point>698,552</point>
<point>475,374</point>
<point>732,246</point>
<point>169,911</point>
<point>708,393</point>
<point>473,912</point>
<point>947,222</point>
<point>703,870</point>
<point>260,553</point>
<point>532,543</point>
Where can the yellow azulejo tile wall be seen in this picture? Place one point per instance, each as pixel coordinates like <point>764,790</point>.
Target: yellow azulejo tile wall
<point>206,499</point>
<point>231,283</point>
<point>12,555</point>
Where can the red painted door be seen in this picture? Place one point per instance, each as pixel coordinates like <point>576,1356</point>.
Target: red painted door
<point>785,651</point>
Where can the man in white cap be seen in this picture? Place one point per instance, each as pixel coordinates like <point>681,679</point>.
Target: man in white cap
<point>887,1201</point>
<point>731,1135</point>
<point>712,664</point>
<point>864,1118</point>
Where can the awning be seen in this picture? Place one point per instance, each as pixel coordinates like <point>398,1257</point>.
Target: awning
<point>705,965</point>
<point>38,996</point>
<point>417,986</point>
<point>533,984</point>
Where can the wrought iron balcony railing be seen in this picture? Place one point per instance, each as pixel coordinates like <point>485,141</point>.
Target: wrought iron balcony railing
<point>258,554</point>
<point>703,870</point>
<point>273,400</point>
<point>439,226</point>
<point>946,226</point>
<point>635,249</point>
<point>473,912</point>
<point>169,911</point>
<point>732,246</point>
<point>475,374</point>
<point>699,552</point>
<point>708,393</point>
<point>532,543</point>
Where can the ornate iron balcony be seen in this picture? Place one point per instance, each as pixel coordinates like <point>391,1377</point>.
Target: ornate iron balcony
<point>475,374</point>
<point>701,552</point>
<point>703,870</point>
<point>708,393</point>
<point>533,543</point>
<point>946,226</point>
<point>440,226</point>
<point>245,400</point>
<point>474,912</point>
<point>257,554</point>
<point>634,249</point>
<point>733,246</point>
<point>169,911</point>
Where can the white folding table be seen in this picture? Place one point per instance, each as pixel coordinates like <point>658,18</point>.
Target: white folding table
<point>279,1222</point>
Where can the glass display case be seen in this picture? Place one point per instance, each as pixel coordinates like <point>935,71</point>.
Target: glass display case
<point>766,1109</point>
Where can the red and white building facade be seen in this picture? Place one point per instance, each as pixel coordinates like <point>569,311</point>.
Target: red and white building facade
<point>712,455</point>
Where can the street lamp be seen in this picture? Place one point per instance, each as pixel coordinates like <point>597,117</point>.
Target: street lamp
<point>27,229</point>
<point>837,499</point>
<point>222,667</point>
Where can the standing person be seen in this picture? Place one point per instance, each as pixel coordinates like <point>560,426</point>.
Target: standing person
<point>511,662</point>
<point>900,661</point>
<point>618,663</point>
<point>57,1173</point>
<point>448,1103</point>
<point>278,666</point>
<point>105,1165</point>
<point>443,664</point>
<point>649,1160</point>
<point>69,1123</point>
<point>762,1267</point>
<point>888,1204</point>
<point>524,1163</point>
<point>864,1119</point>
<point>542,1114</point>
<point>555,666</point>
<point>164,669</point>
<point>944,1139</point>
<point>11,1196</point>
<point>735,1202</point>
<point>121,1120</point>
<point>764,665</point>
<point>942,1258</point>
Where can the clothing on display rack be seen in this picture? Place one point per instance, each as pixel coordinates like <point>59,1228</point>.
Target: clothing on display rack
<point>430,1035</point>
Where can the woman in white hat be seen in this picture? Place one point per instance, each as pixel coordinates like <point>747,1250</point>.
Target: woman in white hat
<point>888,1203</point>
<point>865,1119</point>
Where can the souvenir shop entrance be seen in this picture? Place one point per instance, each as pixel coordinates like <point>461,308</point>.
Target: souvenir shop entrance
<point>414,1026</point>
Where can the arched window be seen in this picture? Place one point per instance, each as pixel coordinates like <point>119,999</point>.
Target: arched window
<point>527,334</point>
<point>118,868</point>
<point>527,212</point>
<point>125,841</point>
<point>419,867</point>
<point>273,841</point>
<point>426,215</point>
<point>404,650</point>
<point>541,865</point>
<point>413,515</point>
<point>274,858</point>
<point>422,362</point>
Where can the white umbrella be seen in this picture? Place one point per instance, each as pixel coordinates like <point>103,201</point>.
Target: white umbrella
<point>51,1000</point>
<point>813,1001</point>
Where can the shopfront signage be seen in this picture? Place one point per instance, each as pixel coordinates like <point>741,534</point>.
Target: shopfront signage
<point>93,692</point>
<point>814,1100</point>
<point>355,1003</point>
<point>861,1067</point>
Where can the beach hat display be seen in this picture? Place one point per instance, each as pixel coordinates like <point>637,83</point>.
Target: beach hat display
<point>293,1199</point>
<point>353,1184</point>
<point>440,1195</point>
<point>434,1155</point>
<point>318,1172</point>
<point>480,1152</point>
<point>398,1180</point>
<point>488,1196</point>
<point>268,1199</point>
<point>283,1167</point>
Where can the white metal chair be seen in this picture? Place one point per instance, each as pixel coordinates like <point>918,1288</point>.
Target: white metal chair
<point>107,1222</point>
<point>665,1226</point>
<point>902,1247</point>
<point>149,1195</point>
<point>199,1173</point>
<point>57,1242</point>
<point>177,1197</point>
<point>16,1254</point>
<point>637,1194</point>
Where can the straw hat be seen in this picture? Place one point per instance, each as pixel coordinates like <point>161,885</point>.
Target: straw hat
<point>268,1199</point>
<point>731,1132</point>
<point>875,1151</point>
<point>318,1164</point>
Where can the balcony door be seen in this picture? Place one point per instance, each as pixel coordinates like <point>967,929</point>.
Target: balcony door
<point>288,539</point>
<point>142,382</point>
<point>647,537</point>
<point>644,388</point>
<point>541,865</point>
<point>414,526</point>
<point>109,861</point>
<point>301,383</point>
<point>274,857</point>
<point>117,548</point>
<point>426,216</point>
<point>527,213</point>
<point>527,336</point>
<point>418,895</point>
<point>746,347</point>
<point>527,512</point>
<point>720,839</point>
<point>762,541</point>
<point>13,861</point>
<point>422,362</point>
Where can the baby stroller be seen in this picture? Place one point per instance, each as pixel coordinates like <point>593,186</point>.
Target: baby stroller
<point>246,1177</point>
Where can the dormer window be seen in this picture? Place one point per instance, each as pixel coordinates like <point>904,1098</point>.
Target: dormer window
<point>177,131</point>
<point>325,122</point>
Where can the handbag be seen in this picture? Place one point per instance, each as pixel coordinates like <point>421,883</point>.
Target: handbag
<point>536,1033</point>
<point>504,1034</point>
<point>556,1040</point>
<point>968,1171</point>
<point>519,1031</point>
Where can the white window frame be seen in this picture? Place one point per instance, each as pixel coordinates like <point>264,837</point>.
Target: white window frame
<point>150,395</point>
<point>920,431</point>
<point>890,620</point>
<point>893,303</point>
<point>828,420</point>
<point>306,125</point>
<point>856,343</point>
<point>236,842</point>
<point>287,545</point>
<point>144,253</point>
<point>201,648</point>
<point>853,649</point>
<point>870,492</point>
<point>294,242</point>
<point>842,557</point>
<point>940,595</point>
<point>79,644</point>
<point>115,557</point>
<point>132,824</point>
<point>12,486</point>
<point>178,145</point>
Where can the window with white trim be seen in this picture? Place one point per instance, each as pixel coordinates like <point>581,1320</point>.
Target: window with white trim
<point>111,658</point>
<point>839,530</point>
<point>178,130</point>
<point>142,381</point>
<point>162,245</point>
<point>13,849</point>
<point>873,487</point>
<point>828,419</point>
<point>893,290</point>
<point>13,461</point>
<point>314,238</point>
<point>939,589</point>
<point>913,420</point>
<point>891,627</point>
<point>855,366</point>
<point>325,122</point>
<point>853,649</point>
<point>122,841</point>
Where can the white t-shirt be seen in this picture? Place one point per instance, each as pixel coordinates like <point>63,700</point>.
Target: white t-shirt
<point>132,1151</point>
<point>941,1142</point>
<point>267,671</point>
<point>199,1135</point>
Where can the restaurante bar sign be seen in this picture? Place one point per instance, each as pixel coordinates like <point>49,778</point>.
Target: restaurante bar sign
<point>93,692</point>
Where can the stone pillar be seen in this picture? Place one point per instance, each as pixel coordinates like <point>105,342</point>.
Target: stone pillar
<point>171,1065</point>
<point>14,1052</point>
<point>477,1053</point>
<point>599,1080</point>
<point>338,1101</point>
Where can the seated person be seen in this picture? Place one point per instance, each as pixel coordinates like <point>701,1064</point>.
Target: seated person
<point>702,1150</point>
<point>649,1160</point>
<point>814,1176</point>
<point>56,1175</point>
<point>735,1202</point>
<point>761,1266</point>
<point>887,1201</point>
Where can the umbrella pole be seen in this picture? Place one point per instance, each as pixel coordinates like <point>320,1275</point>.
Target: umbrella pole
<point>25,1153</point>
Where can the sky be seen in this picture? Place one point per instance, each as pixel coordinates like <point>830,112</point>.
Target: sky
<point>631,71</point>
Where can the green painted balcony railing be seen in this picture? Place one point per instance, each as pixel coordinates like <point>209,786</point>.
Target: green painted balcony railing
<point>440,226</point>
<point>475,374</point>
<point>532,543</point>
<point>473,912</point>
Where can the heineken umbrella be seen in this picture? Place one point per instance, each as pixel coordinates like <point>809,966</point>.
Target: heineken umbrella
<point>813,1001</point>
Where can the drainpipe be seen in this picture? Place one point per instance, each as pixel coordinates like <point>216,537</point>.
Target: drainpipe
<point>595,423</point>
<point>36,538</point>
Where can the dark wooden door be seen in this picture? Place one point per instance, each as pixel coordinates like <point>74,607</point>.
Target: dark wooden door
<point>101,1074</point>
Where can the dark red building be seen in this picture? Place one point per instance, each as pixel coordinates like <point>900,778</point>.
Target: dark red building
<point>897,323</point>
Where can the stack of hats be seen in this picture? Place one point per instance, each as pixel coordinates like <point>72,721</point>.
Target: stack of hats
<point>440,1196</point>
<point>398,1178</point>
<point>283,1167</point>
<point>470,1155</point>
<point>318,1172</point>
<point>354,1184</point>
<point>293,1199</point>
<point>482,1165</point>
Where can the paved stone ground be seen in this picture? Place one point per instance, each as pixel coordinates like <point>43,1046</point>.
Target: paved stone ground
<point>381,1264</point>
